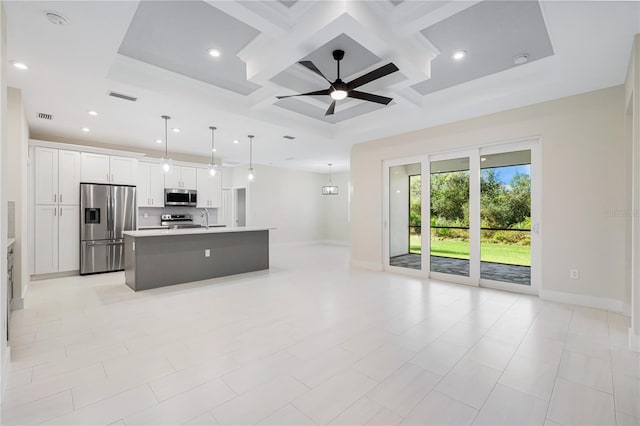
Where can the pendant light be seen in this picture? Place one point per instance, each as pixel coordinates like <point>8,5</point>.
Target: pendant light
<point>212,166</point>
<point>330,189</point>
<point>252,175</point>
<point>166,161</point>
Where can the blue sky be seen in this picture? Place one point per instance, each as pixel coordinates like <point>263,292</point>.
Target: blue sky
<point>505,174</point>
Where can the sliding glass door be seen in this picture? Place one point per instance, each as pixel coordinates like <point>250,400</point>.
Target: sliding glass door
<point>470,217</point>
<point>505,217</point>
<point>405,216</point>
<point>449,219</point>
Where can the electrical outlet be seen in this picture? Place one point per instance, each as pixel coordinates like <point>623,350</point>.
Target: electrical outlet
<point>145,215</point>
<point>574,274</point>
<point>207,253</point>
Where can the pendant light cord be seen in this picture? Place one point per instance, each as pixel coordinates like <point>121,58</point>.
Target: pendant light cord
<point>166,135</point>
<point>250,152</point>
<point>213,144</point>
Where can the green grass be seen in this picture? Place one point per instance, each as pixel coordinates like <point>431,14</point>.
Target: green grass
<point>489,252</point>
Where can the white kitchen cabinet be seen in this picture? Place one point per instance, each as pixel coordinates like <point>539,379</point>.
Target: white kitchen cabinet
<point>46,244</point>
<point>68,178</point>
<point>209,189</point>
<point>57,232</point>
<point>123,170</point>
<point>150,192</point>
<point>46,175</point>
<point>94,168</point>
<point>57,176</point>
<point>181,177</point>
<point>68,238</point>
<point>101,168</point>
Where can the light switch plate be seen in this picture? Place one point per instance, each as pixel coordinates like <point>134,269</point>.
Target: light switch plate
<point>207,252</point>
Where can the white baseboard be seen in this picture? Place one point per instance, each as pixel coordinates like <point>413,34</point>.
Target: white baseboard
<point>634,341</point>
<point>371,266</point>
<point>582,300</point>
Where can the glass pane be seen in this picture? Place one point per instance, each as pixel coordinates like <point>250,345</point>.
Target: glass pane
<point>449,190</point>
<point>505,217</point>
<point>405,244</point>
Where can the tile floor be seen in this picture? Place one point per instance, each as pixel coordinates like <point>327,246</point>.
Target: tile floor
<point>312,342</point>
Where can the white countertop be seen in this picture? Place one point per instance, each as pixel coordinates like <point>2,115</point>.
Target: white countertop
<point>190,231</point>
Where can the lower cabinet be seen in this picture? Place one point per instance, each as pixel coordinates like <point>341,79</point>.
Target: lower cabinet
<point>57,235</point>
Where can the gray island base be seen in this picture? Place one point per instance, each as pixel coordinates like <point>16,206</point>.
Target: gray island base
<point>159,258</point>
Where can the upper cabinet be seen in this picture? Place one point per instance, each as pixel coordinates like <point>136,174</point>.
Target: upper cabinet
<point>124,170</point>
<point>101,168</point>
<point>150,185</point>
<point>209,189</point>
<point>181,177</point>
<point>57,176</point>
<point>95,168</point>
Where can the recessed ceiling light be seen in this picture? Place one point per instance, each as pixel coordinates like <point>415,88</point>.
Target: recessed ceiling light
<point>20,65</point>
<point>213,150</point>
<point>86,129</point>
<point>158,140</point>
<point>521,59</point>
<point>459,55</point>
<point>176,130</point>
<point>55,18</point>
<point>214,52</point>
<point>236,141</point>
<point>94,113</point>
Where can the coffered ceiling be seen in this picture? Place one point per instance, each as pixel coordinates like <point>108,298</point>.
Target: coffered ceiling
<point>157,51</point>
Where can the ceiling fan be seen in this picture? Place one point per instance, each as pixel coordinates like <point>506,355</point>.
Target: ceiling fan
<point>339,89</point>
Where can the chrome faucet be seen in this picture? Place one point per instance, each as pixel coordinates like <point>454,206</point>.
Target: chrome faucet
<point>205,211</point>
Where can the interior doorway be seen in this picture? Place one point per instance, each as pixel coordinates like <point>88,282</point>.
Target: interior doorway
<point>240,210</point>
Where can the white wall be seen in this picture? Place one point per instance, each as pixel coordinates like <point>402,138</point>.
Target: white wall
<point>17,156</point>
<point>4,350</point>
<point>632,189</point>
<point>336,227</point>
<point>583,181</point>
<point>287,200</point>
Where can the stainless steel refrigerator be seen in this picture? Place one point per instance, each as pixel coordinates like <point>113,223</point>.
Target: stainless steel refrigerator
<point>106,212</point>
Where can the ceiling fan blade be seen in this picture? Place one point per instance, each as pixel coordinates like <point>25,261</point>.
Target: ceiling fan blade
<point>316,93</point>
<point>309,65</point>
<point>331,109</point>
<point>369,97</point>
<point>373,75</point>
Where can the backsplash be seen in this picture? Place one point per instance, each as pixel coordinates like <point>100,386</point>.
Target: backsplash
<point>153,215</point>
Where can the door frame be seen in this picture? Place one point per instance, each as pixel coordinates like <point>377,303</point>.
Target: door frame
<point>474,153</point>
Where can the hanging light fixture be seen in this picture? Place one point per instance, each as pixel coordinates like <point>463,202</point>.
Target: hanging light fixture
<point>330,189</point>
<point>212,166</point>
<point>252,175</point>
<point>166,161</point>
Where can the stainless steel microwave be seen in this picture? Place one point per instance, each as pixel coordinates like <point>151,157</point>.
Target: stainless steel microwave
<point>180,197</point>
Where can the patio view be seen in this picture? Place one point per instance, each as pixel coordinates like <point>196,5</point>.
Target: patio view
<point>505,217</point>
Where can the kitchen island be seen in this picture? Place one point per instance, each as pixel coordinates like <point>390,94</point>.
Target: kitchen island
<point>163,257</point>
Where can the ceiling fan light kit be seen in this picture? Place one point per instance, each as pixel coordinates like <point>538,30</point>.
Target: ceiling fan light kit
<point>339,90</point>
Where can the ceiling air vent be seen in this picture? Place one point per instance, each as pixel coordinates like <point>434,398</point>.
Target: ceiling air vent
<point>121,96</point>
<point>45,116</point>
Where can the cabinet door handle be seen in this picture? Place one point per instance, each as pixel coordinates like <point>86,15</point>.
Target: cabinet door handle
<point>61,198</point>
<point>60,211</point>
<point>54,198</point>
